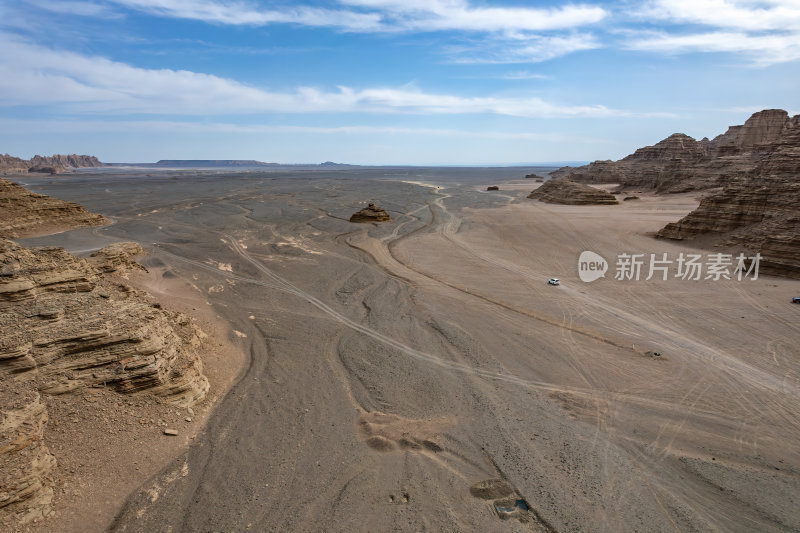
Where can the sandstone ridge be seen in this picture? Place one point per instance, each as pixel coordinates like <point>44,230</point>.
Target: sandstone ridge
<point>70,324</point>
<point>24,213</point>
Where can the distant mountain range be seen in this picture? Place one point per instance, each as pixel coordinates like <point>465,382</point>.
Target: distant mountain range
<point>54,164</point>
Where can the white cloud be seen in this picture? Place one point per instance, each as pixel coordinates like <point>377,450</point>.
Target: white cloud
<point>75,7</point>
<point>379,15</point>
<point>527,48</point>
<point>734,14</point>
<point>765,31</point>
<point>34,75</point>
<point>432,15</point>
<point>762,49</point>
<point>190,127</point>
<point>246,13</point>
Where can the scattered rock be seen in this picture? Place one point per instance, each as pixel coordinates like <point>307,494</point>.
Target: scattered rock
<point>492,188</point>
<point>171,432</point>
<point>491,489</point>
<point>371,213</point>
<point>564,191</point>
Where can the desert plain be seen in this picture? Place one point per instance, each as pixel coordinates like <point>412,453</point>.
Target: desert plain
<point>421,375</point>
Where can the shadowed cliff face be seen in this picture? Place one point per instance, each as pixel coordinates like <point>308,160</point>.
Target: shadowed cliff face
<point>679,163</point>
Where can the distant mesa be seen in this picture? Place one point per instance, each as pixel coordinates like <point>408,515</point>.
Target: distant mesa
<point>54,164</point>
<point>564,191</point>
<point>492,188</point>
<point>371,213</point>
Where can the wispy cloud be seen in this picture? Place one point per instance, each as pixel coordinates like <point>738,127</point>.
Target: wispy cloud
<point>83,8</point>
<point>734,14</point>
<point>524,75</point>
<point>35,75</point>
<point>522,48</point>
<point>434,15</point>
<point>378,15</point>
<point>767,32</point>
<point>191,127</point>
<point>247,13</point>
<point>760,49</point>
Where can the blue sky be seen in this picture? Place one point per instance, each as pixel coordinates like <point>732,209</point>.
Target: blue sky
<point>386,81</point>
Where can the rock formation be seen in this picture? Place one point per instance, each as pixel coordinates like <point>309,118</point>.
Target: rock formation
<point>533,177</point>
<point>371,213</point>
<point>564,191</point>
<point>679,163</point>
<point>23,213</point>
<point>54,164</point>
<point>761,212</point>
<point>25,462</point>
<point>492,188</point>
<point>70,326</point>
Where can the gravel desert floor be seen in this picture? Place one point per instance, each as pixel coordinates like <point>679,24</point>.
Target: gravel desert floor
<point>421,375</point>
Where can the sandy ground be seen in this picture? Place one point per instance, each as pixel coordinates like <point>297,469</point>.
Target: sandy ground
<point>421,374</point>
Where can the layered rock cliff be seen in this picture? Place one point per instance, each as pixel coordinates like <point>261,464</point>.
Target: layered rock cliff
<point>70,324</point>
<point>24,213</point>
<point>679,163</point>
<point>564,191</point>
<point>760,212</point>
<point>26,464</point>
<point>67,326</point>
<point>54,164</point>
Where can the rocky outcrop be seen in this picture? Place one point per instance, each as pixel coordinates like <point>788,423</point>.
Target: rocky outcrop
<point>54,164</point>
<point>759,213</point>
<point>371,213</point>
<point>25,462</point>
<point>564,191</point>
<point>23,213</point>
<point>13,165</point>
<point>70,326</point>
<point>679,163</point>
<point>118,256</point>
<point>492,188</point>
